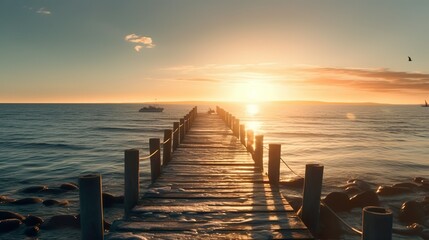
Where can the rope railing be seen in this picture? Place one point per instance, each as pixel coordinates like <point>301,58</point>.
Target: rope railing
<point>151,155</point>
<point>352,229</point>
<point>166,141</point>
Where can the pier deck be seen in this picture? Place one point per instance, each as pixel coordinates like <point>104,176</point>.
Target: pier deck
<point>212,190</point>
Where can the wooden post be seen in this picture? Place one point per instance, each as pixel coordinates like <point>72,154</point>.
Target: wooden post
<point>166,154</point>
<point>376,223</point>
<point>310,210</point>
<point>155,160</point>
<point>274,152</point>
<point>250,139</point>
<point>182,129</point>
<point>259,152</point>
<point>175,135</point>
<point>91,207</point>
<point>237,128</point>
<point>132,179</point>
<point>243,134</point>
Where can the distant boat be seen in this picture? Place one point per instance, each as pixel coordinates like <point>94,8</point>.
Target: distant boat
<point>151,109</point>
<point>426,104</point>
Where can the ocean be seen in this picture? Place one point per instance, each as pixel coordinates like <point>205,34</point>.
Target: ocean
<point>51,144</point>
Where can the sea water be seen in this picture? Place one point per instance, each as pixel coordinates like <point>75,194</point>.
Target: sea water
<point>51,144</point>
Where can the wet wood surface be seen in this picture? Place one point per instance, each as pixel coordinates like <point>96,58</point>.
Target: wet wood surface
<point>211,190</point>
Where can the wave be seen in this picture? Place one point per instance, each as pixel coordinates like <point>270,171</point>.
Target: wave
<point>123,129</point>
<point>61,146</point>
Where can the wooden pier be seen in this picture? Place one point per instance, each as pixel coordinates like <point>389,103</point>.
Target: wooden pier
<point>211,189</point>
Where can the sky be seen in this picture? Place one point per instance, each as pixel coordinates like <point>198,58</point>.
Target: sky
<point>111,51</point>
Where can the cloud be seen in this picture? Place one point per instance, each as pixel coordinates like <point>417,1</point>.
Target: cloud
<point>381,80</point>
<point>198,80</point>
<point>43,11</point>
<point>143,41</point>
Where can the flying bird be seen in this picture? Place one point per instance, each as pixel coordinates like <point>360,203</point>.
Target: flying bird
<point>409,59</point>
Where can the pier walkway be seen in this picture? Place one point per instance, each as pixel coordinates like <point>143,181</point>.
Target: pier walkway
<point>211,189</point>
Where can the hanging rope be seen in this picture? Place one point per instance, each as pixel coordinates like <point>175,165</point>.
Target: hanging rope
<point>147,157</point>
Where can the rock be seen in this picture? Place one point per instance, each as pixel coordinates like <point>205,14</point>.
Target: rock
<point>9,215</point>
<point>406,185</point>
<point>337,201</point>
<point>295,183</point>
<point>353,190</point>
<point>107,225</point>
<point>364,186</point>
<point>69,186</point>
<point>390,191</point>
<point>109,200</point>
<point>34,189</point>
<point>8,225</point>
<point>6,199</point>
<point>32,231</point>
<point>412,229</point>
<point>420,179</point>
<point>367,198</point>
<point>25,201</point>
<point>61,221</point>
<point>54,191</point>
<point>31,220</point>
<point>53,202</point>
<point>411,212</point>
<point>295,203</point>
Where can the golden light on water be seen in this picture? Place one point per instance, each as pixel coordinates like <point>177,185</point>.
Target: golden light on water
<point>253,125</point>
<point>252,109</point>
<point>351,116</point>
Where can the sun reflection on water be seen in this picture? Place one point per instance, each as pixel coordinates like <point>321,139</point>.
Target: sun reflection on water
<point>252,109</point>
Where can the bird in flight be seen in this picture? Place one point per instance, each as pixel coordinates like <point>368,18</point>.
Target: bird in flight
<point>409,59</point>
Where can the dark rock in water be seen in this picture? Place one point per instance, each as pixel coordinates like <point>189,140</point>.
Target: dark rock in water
<point>406,185</point>
<point>420,179</point>
<point>296,183</point>
<point>54,191</point>
<point>107,225</point>
<point>34,189</point>
<point>367,198</point>
<point>424,234</point>
<point>8,225</point>
<point>390,191</point>
<point>295,202</point>
<point>330,227</point>
<point>337,201</point>
<point>6,199</point>
<point>53,202</point>
<point>9,215</point>
<point>364,186</point>
<point>32,231</point>
<point>61,221</point>
<point>69,186</point>
<point>411,212</point>
<point>119,199</point>
<point>31,220</point>
<point>109,199</point>
<point>353,190</point>
<point>413,229</point>
<point>25,201</point>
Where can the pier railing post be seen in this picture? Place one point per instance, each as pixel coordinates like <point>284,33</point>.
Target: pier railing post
<point>237,128</point>
<point>310,210</point>
<point>131,179</point>
<point>182,129</point>
<point>91,207</point>
<point>155,160</point>
<point>166,153</point>
<point>258,154</point>
<point>274,151</point>
<point>175,135</point>
<point>243,134</point>
<point>376,223</point>
<point>250,139</point>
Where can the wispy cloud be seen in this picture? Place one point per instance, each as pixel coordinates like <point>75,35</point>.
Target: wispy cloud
<point>198,80</point>
<point>142,41</point>
<point>381,80</point>
<point>43,11</point>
